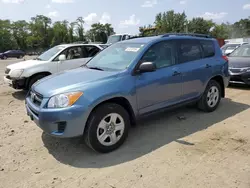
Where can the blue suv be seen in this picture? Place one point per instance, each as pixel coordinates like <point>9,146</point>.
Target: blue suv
<point>126,81</point>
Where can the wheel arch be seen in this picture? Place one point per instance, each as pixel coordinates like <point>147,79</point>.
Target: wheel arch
<point>46,73</point>
<point>220,80</point>
<point>122,101</point>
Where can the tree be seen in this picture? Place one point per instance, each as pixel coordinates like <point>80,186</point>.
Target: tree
<point>100,32</point>
<point>71,31</point>
<point>80,28</point>
<point>241,28</point>
<point>170,22</point>
<point>220,31</point>
<point>7,41</point>
<point>39,27</point>
<point>200,25</point>
<point>20,31</point>
<point>60,30</point>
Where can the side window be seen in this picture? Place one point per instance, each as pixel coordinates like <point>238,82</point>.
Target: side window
<point>189,50</point>
<point>91,50</point>
<point>71,53</point>
<point>74,53</point>
<point>162,54</point>
<point>208,48</point>
<point>124,37</point>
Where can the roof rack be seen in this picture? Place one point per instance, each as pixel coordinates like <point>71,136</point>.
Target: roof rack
<point>186,34</point>
<point>135,37</point>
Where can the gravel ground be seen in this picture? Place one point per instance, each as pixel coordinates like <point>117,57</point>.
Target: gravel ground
<point>182,148</point>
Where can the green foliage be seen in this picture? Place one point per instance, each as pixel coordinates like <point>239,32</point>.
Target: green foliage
<point>100,32</point>
<point>199,25</point>
<point>171,22</point>
<point>40,33</point>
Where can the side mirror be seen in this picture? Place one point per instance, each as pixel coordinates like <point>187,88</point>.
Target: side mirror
<point>147,67</point>
<point>62,57</point>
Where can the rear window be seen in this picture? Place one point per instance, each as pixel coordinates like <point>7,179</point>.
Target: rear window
<point>208,48</point>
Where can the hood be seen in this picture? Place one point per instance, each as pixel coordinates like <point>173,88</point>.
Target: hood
<point>70,80</point>
<point>239,62</point>
<point>25,64</point>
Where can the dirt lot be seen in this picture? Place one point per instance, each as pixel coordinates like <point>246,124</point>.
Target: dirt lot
<point>203,150</point>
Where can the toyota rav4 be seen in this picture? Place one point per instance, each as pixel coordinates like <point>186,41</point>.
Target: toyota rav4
<point>128,80</point>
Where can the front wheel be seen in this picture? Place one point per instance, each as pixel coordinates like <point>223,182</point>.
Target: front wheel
<point>210,99</point>
<point>107,128</point>
<point>34,79</point>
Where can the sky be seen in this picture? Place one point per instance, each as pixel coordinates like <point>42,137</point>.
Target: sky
<point>125,15</point>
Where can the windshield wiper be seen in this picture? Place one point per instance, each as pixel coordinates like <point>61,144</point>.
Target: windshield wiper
<point>37,58</point>
<point>96,68</point>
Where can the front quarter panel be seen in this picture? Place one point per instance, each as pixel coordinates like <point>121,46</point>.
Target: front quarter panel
<point>121,86</point>
<point>50,67</point>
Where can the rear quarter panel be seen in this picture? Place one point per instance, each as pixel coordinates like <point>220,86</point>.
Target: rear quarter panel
<point>219,66</point>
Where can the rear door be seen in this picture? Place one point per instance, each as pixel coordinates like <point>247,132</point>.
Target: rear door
<point>195,66</point>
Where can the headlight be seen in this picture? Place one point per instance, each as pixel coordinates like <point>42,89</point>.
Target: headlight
<point>64,100</point>
<point>16,73</point>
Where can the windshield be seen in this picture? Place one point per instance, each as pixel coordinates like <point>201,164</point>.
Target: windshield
<point>243,51</point>
<point>116,57</point>
<point>50,53</point>
<point>229,46</point>
<point>114,38</point>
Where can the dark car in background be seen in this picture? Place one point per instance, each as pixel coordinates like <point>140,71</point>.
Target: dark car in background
<point>12,54</point>
<point>239,65</point>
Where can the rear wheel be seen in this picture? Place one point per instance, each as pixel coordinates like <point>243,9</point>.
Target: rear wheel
<point>107,128</point>
<point>211,97</point>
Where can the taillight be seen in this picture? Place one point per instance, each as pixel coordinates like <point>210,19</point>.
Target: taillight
<point>225,57</point>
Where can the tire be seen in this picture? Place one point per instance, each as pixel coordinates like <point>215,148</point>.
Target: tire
<point>210,104</point>
<point>35,79</point>
<point>94,128</point>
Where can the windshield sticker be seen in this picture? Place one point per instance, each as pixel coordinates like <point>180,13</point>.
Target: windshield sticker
<point>132,49</point>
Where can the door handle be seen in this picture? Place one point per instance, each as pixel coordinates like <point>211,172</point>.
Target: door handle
<point>176,73</point>
<point>208,66</point>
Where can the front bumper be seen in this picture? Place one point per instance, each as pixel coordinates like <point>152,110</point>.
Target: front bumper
<point>64,123</point>
<point>16,84</point>
<point>240,78</point>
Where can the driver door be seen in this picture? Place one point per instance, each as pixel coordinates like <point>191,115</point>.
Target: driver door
<point>75,58</point>
<point>162,87</point>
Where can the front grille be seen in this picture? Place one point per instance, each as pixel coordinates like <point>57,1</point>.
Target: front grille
<point>36,98</point>
<point>7,71</point>
<point>235,70</point>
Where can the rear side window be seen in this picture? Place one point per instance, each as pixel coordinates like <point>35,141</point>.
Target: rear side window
<point>189,50</point>
<point>208,48</point>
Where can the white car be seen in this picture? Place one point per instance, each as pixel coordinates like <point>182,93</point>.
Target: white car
<point>117,38</point>
<point>231,46</point>
<point>24,74</point>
